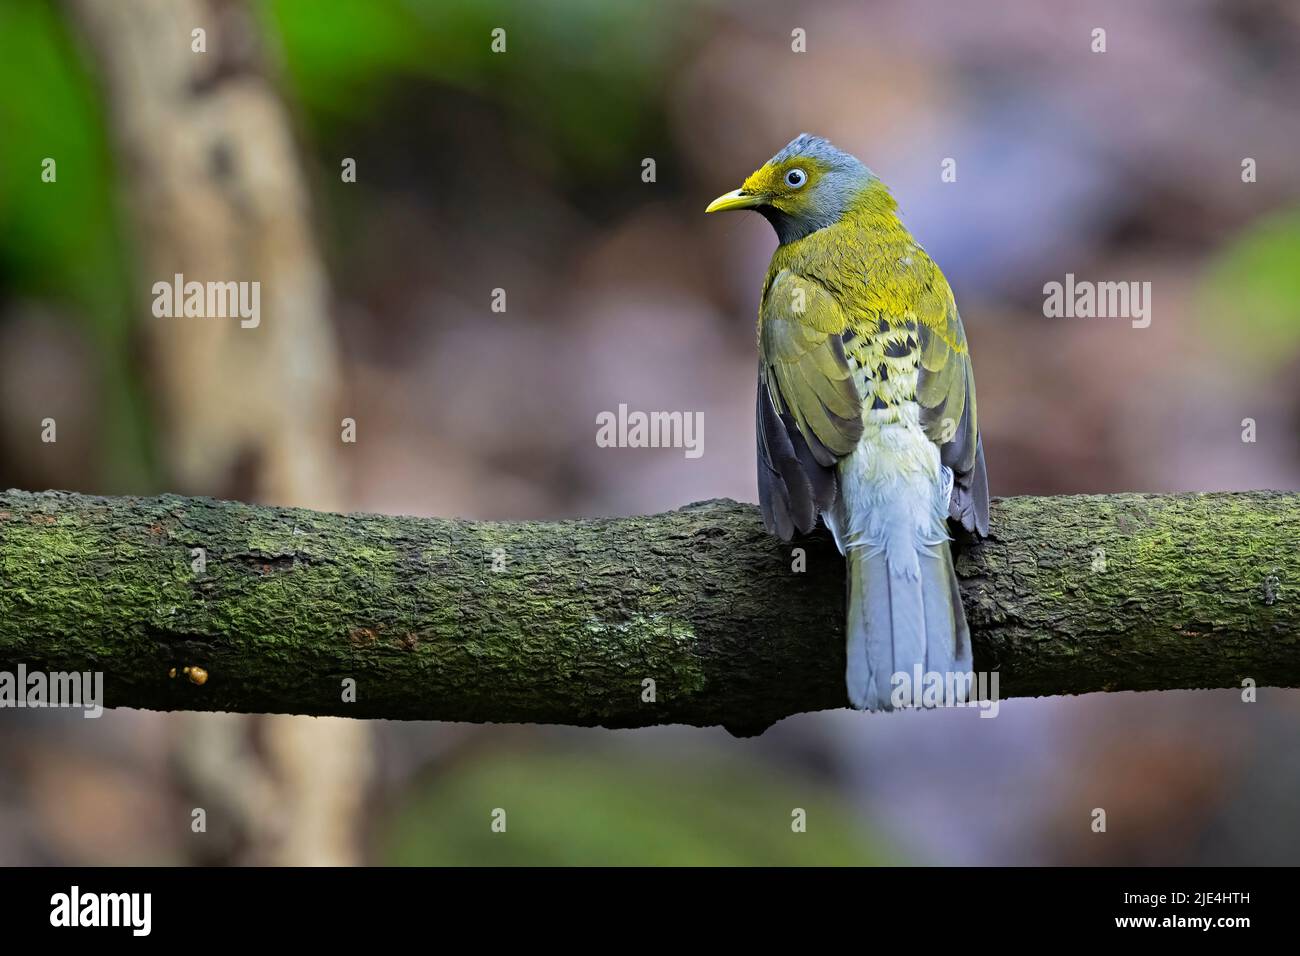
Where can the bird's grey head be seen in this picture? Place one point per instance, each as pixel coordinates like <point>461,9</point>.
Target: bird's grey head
<point>806,186</point>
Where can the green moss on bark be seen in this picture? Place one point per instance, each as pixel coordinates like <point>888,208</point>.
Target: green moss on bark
<point>563,622</point>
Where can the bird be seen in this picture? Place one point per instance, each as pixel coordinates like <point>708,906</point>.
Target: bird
<point>866,413</point>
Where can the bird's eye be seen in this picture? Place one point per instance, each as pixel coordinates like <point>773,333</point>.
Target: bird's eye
<point>795,178</point>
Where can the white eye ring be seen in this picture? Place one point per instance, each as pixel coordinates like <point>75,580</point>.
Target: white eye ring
<point>796,178</point>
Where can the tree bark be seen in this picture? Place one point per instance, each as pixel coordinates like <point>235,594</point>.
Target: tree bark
<point>565,622</point>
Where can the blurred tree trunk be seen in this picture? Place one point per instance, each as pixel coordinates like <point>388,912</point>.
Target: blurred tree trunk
<point>211,177</point>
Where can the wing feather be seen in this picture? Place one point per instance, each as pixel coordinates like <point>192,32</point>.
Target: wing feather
<point>945,390</point>
<point>809,410</point>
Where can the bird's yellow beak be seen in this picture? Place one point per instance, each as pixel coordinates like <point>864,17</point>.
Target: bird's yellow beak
<point>736,199</point>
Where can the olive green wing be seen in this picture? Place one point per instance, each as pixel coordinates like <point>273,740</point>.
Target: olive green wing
<point>945,390</point>
<point>809,414</point>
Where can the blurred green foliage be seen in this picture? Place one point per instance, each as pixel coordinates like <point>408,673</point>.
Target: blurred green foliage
<point>584,75</point>
<point>605,809</point>
<point>61,241</point>
<point>1253,293</point>
<point>59,237</point>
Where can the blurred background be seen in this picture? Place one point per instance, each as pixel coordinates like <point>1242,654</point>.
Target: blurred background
<point>522,170</point>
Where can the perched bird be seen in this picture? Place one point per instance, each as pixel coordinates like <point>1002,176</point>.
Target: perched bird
<point>866,410</point>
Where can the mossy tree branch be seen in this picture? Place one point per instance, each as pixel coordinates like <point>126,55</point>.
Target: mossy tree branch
<point>563,622</point>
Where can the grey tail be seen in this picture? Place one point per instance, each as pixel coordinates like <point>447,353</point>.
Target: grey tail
<point>902,614</point>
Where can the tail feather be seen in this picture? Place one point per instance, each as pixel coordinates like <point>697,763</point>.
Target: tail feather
<point>902,614</point>
<point>944,619</point>
<point>870,624</point>
<point>903,636</point>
